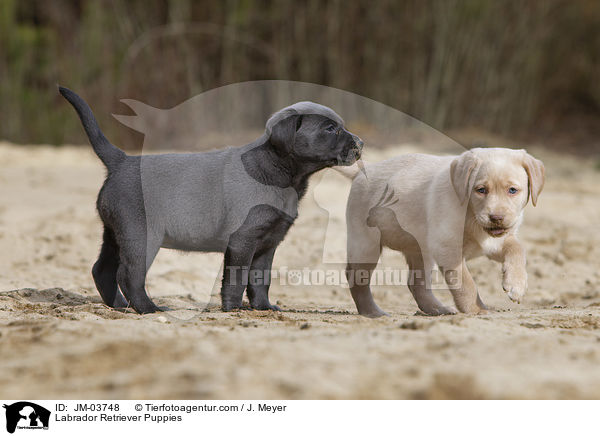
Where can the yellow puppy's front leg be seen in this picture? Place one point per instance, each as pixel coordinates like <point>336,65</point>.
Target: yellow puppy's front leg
<point>464,292</point>
<point>514,273</point>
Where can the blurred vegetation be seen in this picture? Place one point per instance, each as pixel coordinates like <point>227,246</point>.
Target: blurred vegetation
<point>510,67</point>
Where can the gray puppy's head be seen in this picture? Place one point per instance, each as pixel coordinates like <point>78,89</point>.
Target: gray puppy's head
<point>313,133</point>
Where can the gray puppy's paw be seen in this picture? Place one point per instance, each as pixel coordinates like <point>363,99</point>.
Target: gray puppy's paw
<point>267,306</point>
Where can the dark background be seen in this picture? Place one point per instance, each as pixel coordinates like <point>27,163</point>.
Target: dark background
<point>527,70</point>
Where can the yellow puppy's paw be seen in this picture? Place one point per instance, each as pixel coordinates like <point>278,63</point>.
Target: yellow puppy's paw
<point>515,285</point>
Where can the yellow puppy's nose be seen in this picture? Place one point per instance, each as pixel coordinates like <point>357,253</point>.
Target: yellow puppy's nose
<point>496,219</point>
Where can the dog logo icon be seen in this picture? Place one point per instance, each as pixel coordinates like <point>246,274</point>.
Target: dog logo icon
<point>26,415</point>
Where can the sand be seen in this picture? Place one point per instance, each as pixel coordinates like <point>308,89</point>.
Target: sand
<point>57,340</point>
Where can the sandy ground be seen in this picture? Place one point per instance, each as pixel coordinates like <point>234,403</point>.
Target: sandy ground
<point>58,341</point>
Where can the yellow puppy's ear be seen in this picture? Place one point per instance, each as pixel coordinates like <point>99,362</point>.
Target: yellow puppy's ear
<point>536,174</point>
<point>463,171</point>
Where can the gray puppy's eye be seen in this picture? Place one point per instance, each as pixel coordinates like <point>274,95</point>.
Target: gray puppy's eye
<point>330,128</point>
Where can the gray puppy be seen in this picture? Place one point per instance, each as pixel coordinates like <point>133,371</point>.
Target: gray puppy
<point>238,201</point>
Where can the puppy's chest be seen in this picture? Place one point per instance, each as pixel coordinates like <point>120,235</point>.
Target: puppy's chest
<point>269,231</point>
<point>482,245</point>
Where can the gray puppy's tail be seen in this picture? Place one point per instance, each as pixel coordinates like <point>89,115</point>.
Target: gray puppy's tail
<point>108,153</point>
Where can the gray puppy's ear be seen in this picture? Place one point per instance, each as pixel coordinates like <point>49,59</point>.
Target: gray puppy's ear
<point>283,133</point>
<point>536,173</point>
<point>463,171</point>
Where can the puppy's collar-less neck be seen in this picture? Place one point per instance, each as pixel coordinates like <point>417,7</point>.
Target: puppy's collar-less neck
<point>264,164</point>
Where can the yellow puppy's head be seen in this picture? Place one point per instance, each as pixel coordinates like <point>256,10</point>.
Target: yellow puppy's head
<point>497,183</point>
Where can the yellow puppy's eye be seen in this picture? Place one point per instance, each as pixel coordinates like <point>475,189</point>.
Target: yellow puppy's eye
<point>482,190</point>
<point>512,190</point>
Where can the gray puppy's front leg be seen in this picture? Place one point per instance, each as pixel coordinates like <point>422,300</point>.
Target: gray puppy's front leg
<point>238,257</point>
<point>259,281</point>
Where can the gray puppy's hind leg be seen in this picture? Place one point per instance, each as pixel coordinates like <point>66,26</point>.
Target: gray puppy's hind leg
<point>135,257</point>
<point>105,271</point>
<point>259,281</point>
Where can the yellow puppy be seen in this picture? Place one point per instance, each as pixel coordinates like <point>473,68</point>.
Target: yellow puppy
<point>441,211</point>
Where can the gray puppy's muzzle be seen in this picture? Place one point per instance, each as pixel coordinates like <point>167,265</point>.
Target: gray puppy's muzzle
<point>358,143</point>
<point>351,151</point>
<point>357,147</point>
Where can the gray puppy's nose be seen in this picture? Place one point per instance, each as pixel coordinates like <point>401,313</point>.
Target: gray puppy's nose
<point>497,219</point>
<point>359,142</point>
